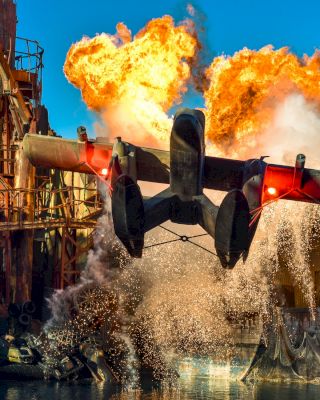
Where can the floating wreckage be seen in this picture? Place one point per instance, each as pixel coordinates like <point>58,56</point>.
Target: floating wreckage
<point>86,339</point>
<point>81,364</point>
<point>284,359</point>
<point>288,351</point>
<point>74,349</point>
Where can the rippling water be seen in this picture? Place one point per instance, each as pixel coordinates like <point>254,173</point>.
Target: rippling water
<point>195,388</point>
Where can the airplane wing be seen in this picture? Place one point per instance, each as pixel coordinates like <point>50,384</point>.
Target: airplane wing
<point>251,184</point>
<point>153,165</point>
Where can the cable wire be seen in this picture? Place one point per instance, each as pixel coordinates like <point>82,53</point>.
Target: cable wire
<point>182,238</point>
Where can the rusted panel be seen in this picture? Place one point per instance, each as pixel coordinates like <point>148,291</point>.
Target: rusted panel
<point>10,87</point>
<point>24,76</point>
<point>8,20</point>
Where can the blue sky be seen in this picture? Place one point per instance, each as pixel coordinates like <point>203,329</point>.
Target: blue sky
<point>230,26</point>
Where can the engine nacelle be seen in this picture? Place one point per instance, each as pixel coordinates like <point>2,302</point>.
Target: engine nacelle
<point>232,228</point>
<point>128,214</point>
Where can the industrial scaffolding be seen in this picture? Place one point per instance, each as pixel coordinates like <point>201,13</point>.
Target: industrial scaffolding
<point>47,217</point>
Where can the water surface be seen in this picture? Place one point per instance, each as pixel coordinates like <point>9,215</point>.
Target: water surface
<point>194,388</point>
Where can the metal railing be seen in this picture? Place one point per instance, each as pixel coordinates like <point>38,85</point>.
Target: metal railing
<point>44,208</point>
<point>28,56</point>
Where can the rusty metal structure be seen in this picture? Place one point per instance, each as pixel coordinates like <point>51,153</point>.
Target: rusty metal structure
<point>47,217</point>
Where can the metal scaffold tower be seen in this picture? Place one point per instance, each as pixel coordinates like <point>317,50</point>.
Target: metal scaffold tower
<point>47,217</point>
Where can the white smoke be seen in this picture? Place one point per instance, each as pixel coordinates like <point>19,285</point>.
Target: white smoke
<point>98,269</point>
<point>295,129</point>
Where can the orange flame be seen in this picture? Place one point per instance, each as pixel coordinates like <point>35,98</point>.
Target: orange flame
<point>245,90</point>
<point>134,82</point>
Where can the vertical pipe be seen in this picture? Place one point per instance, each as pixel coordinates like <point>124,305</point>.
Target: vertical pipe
<point>7,260</point>
<point>23,185</point>
<point>63,257</point>
<point>5,170</point>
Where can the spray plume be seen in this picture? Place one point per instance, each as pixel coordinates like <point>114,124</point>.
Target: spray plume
<point>178,301</point>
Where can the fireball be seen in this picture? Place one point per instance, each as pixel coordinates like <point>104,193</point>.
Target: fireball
<point>134,81</point>
<point>246,89</point>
